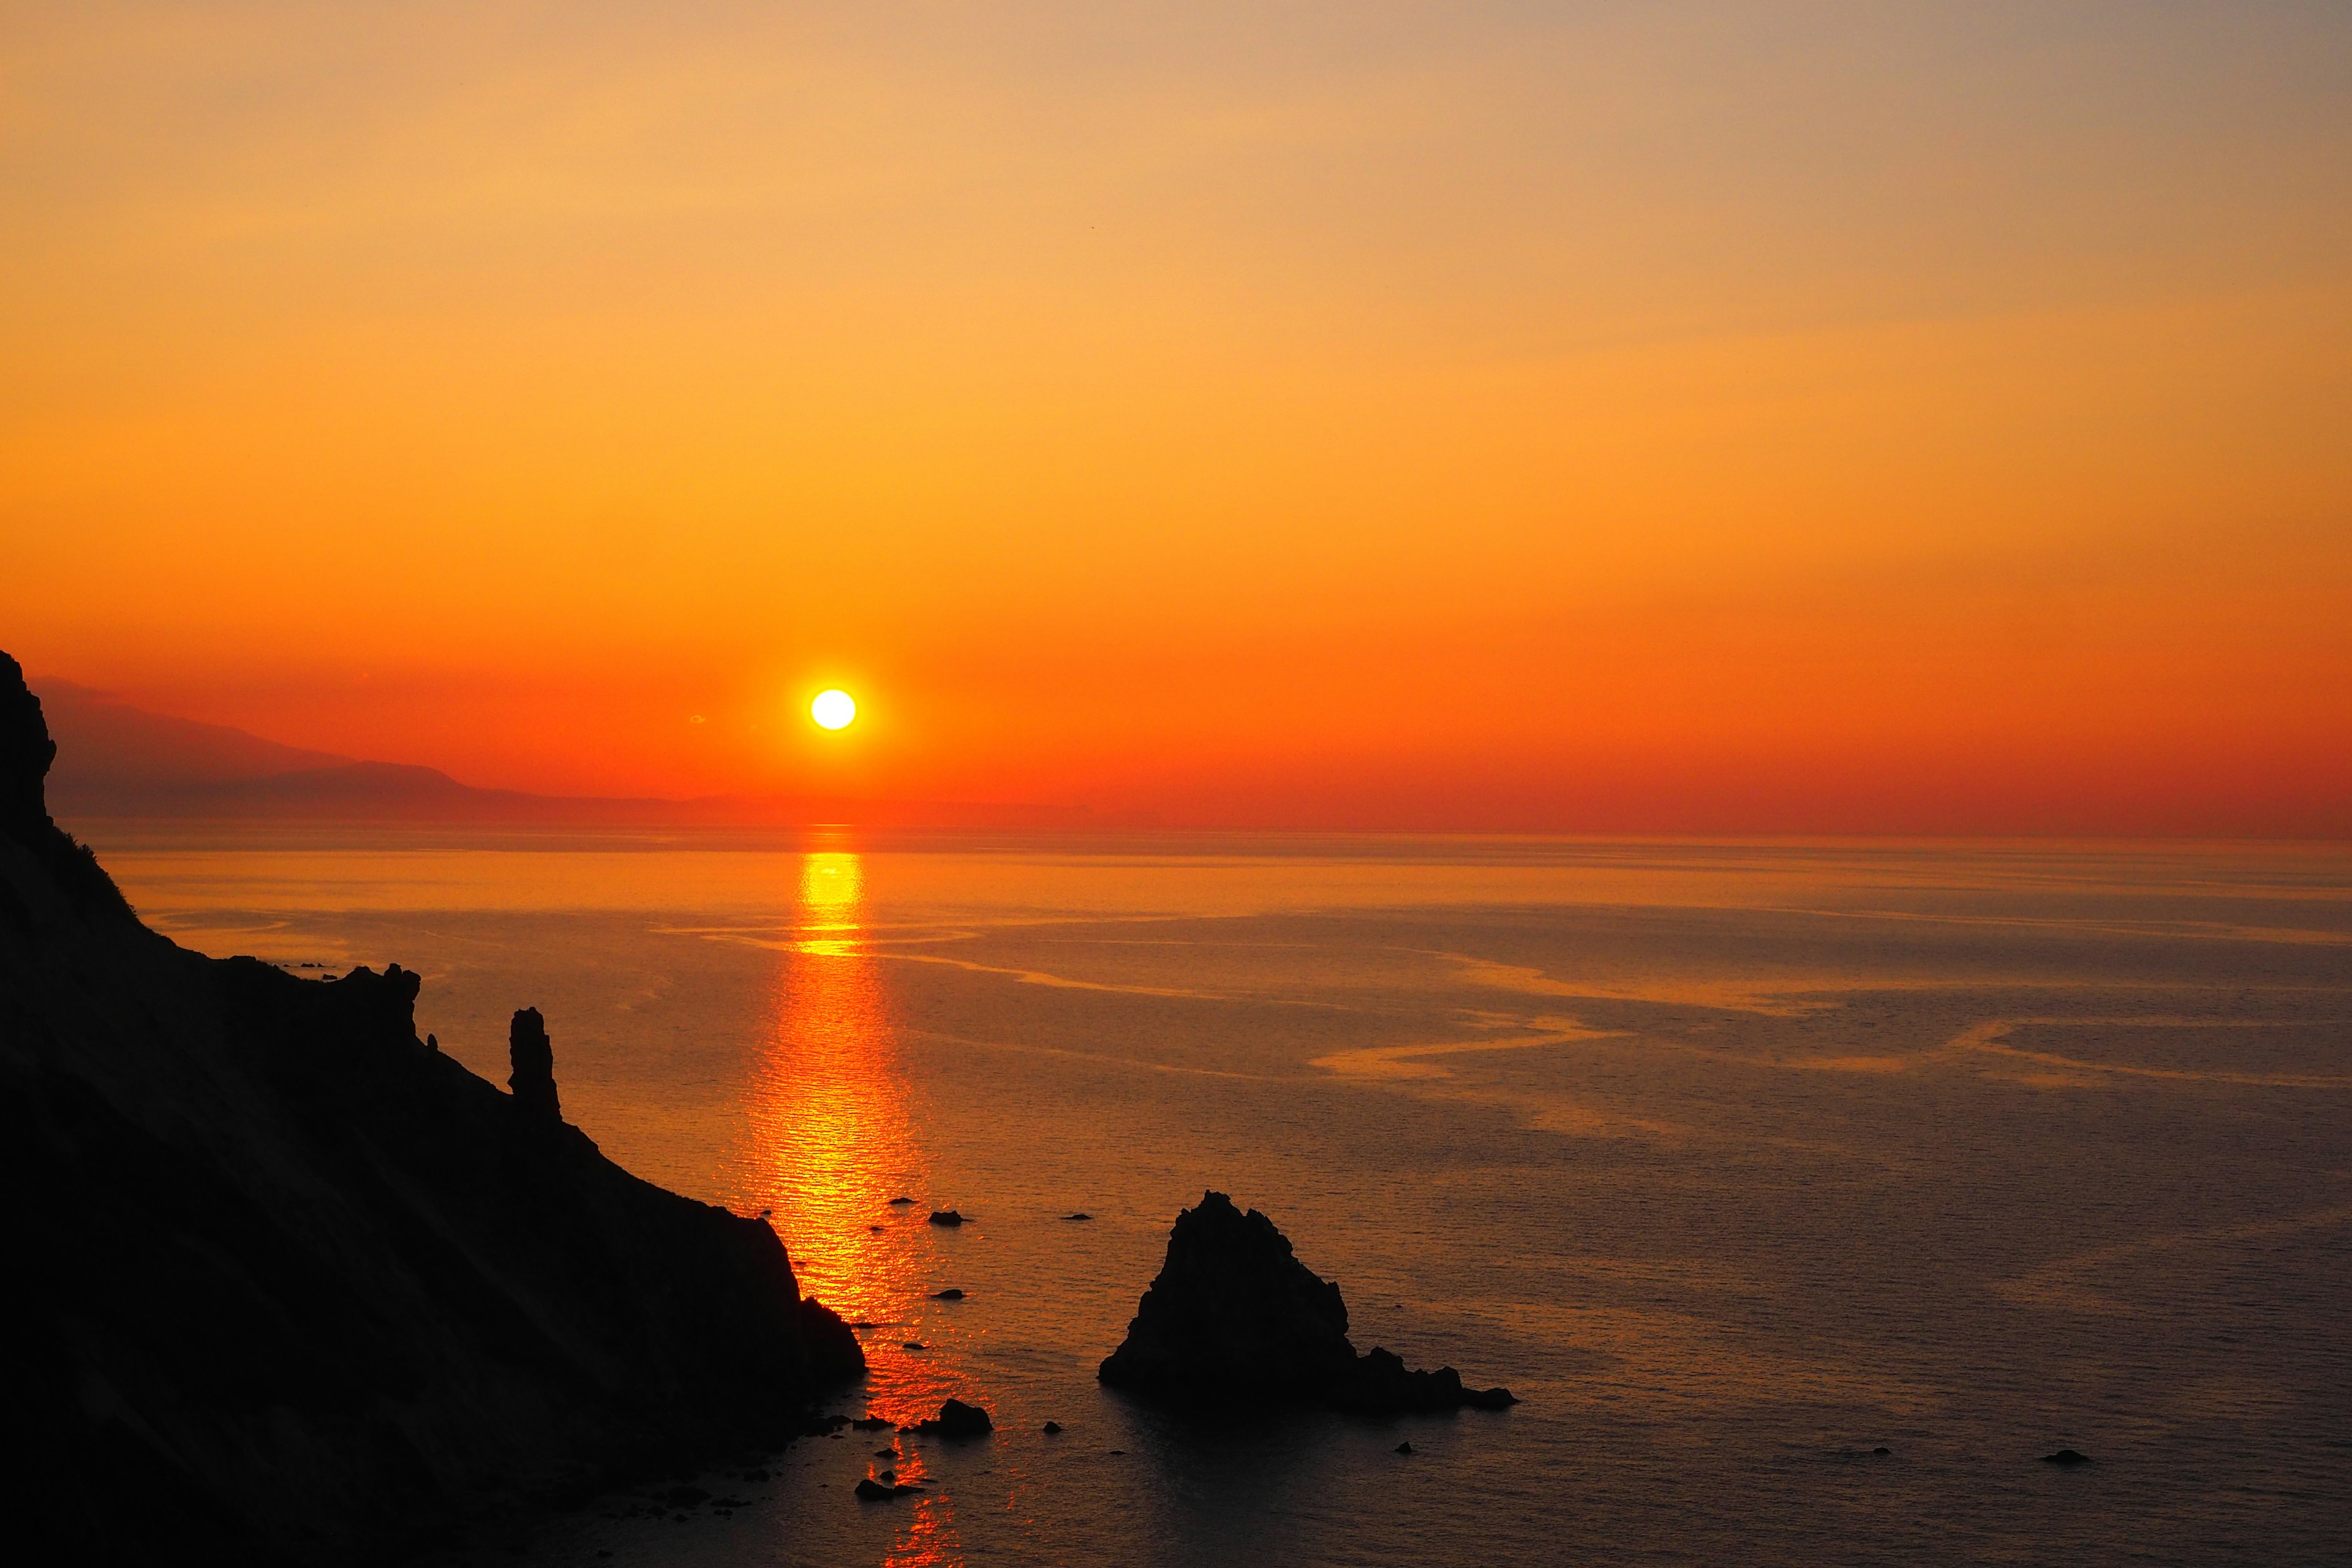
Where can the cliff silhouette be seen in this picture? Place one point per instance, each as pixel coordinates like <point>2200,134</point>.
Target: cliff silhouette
<point>286,1285</point>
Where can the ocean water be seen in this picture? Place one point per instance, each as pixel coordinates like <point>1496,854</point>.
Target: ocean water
<point>1739,1162</point>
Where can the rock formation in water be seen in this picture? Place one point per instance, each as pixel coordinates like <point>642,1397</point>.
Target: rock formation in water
<point>530,1055</point>
<point>955,1419</point>
<point>1234,1319</point>
<point>287,1286</point>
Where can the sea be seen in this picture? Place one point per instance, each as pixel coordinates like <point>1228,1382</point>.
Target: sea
<point>1808,1194</point>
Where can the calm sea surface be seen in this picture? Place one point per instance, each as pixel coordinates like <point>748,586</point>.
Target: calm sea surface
<point>1736,1162</point>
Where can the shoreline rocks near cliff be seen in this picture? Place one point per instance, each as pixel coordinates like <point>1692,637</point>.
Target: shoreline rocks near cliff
<point>1234,1318</point>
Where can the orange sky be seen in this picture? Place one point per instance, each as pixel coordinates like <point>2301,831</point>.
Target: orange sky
<point>1717,417</point>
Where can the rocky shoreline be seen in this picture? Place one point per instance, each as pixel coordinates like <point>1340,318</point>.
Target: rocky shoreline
<point>296,1287</point>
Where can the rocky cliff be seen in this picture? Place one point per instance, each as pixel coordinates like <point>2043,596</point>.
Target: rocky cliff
<point>288,1285</point>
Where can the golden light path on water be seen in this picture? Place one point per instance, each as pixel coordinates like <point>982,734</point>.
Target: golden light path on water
<point>830,1145</point>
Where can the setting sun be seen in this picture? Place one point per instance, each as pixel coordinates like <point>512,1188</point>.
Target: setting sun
<point>832,710</point>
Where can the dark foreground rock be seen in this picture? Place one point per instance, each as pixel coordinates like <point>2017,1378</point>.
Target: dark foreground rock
<point>1234,1319</point>
<point>287,1286</point>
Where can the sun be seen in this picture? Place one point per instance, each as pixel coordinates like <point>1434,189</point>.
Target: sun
<point>832,710</point>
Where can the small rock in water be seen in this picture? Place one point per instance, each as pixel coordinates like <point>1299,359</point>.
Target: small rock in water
<point>1051,1428</point>
<point>949,1294</point>
<point>871,1491</point>
<point>1881,1450</point>
<point>874,1227</point>
<point>956,1419</point>
<point>871,1423</point>
<point>885,1453</point>
<point>1080,1215</point>
<point>946,1217</point>
<point>1404,1448</point>
<point>900,1202</point>
<point>2066,1457</point>
<point>914,1346</point>
<point>865,1323</point>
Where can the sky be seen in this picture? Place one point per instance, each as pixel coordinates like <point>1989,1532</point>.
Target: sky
<point>1730,417</point>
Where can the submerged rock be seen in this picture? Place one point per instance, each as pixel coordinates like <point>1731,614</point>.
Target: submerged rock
<point>1235,1318</point>
<point>951,1294</point>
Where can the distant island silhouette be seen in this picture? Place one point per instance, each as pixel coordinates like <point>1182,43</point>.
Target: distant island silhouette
<point>118,761</point>
<point>290,1286</point>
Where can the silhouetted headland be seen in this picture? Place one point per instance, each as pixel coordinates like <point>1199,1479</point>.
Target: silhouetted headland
<point>1236,1320</point>
<point>291,1287</point>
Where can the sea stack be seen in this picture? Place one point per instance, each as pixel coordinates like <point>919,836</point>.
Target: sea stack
<point>532,1057</point>
<point>1235,1318</point>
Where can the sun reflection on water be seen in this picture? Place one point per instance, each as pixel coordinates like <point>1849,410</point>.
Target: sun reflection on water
<point>830,1141</point>
<point>832,899</point>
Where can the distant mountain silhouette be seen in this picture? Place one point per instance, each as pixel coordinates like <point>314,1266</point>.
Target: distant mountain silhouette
<point>118,761</point>
<point>106,747</point>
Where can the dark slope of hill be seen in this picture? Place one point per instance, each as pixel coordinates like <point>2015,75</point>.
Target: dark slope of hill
<point>286,1285</point>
